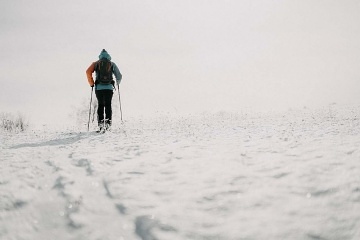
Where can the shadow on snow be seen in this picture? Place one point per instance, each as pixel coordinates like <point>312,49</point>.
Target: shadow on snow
<point>73,138</point>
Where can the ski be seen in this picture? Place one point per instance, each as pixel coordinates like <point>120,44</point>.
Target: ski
<point>104,129</point>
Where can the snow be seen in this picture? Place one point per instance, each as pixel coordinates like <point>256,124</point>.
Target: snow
<point>229,176</point>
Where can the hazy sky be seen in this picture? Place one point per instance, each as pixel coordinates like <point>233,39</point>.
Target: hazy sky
<point>181,55</point>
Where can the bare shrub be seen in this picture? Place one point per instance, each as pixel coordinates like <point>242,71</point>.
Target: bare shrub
<point>13,123</point>
<point>80,113</point>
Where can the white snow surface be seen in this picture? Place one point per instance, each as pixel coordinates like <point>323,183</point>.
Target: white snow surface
<point>290,175</point>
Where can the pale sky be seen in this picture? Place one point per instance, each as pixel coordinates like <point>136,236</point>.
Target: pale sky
<point>181,55</point>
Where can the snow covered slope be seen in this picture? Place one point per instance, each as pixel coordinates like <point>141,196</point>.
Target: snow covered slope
<point>294,175</point>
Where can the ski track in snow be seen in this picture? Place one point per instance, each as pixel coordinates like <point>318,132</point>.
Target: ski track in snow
<point>221,176</point>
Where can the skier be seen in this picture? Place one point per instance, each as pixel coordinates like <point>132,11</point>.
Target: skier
<point>104,86</point>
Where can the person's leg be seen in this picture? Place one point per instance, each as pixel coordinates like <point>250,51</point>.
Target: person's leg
<point>101,105</point>
<point>108,94</point>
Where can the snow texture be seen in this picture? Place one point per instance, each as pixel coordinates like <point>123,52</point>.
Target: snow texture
<point>291,175</point>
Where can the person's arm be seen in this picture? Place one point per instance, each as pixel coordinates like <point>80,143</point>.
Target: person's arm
<point>89,72</point>
<point>117,73</point>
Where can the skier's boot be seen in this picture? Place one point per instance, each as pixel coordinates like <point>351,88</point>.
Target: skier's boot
<point>101,125</point>
<point>107,124</point>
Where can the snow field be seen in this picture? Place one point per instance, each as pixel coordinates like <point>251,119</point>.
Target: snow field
<point>292,175</point>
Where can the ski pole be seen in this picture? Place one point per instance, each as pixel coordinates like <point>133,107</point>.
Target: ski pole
<point>120,102</point>
<point>92,88</point>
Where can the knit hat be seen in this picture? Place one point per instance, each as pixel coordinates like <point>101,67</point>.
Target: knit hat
<point>104,54</point>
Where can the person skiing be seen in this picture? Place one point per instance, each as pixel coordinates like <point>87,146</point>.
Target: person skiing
<point>104,86</point>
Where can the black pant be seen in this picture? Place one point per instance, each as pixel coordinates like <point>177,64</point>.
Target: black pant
<point>104,98</point>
